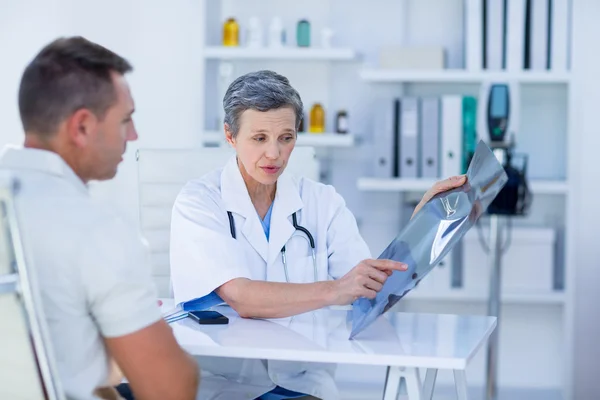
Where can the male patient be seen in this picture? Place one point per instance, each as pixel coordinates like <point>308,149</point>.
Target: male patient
<point>92,269</point>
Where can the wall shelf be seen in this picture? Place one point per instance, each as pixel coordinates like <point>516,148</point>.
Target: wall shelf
<point>284,53</point>
<point>325,140</point>
<point>422,185</point>
<point>461,76</point>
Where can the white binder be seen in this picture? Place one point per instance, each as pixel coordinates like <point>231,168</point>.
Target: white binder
<point>451,136</point>
<point>494,34</point>
<point>429,146</point>
<point>474,34</point>
<point>515,35</point>
<point>559,33</point>
<point>539,34</point>
<point>409,137</point>
<point>384,146</point>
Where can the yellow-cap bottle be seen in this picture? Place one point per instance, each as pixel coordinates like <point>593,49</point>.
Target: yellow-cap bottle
<point>317,119</point>
<point>231,33</point>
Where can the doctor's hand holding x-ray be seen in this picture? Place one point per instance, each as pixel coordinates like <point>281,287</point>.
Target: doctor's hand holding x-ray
<point>246,234</point>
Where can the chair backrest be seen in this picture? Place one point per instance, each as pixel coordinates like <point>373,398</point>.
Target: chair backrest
<point>26,360</point>
<point>162,174</point>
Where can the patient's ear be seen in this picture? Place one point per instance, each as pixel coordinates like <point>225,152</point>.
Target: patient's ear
<point>82,127</point>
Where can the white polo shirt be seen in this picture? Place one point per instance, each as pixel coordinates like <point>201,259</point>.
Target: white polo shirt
<point>92,269</point>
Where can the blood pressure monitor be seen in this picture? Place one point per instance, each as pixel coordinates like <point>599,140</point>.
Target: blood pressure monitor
<point>498,112</point>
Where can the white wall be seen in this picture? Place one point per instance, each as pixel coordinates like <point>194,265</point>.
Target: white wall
<point>585,273</point>
<point>157,39</point>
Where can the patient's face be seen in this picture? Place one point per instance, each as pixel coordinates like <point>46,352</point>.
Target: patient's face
<point>107,143</point>
<point>264,143</point>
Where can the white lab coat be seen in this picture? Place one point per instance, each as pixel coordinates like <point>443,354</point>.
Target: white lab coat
<point>204,255</point>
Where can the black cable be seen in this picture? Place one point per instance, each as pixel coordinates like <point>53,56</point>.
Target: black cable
<point>507,237</point>
<point>231,224</point>
<point>481,238</point>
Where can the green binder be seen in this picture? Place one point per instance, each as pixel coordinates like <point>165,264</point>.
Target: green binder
<point>469,130</point>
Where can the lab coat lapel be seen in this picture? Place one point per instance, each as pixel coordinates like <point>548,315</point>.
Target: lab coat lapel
<point>287,202</point>
<point>237,200</point>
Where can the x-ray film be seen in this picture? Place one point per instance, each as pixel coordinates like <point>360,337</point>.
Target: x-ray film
<point>432,233</point>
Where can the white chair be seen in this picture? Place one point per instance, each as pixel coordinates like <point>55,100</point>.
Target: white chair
<point>162,174</point>
<point>26,360</point>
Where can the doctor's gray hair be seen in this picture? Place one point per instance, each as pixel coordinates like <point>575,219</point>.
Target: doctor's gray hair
<point>260,91</point>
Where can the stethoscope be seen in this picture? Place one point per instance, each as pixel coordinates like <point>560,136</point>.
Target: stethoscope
<point>308,238</point>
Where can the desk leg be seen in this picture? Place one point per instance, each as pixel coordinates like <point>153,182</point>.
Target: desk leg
<point>392,383</point>
<point>460,381</point>
<point>428,386</point>
<point>413,384</point>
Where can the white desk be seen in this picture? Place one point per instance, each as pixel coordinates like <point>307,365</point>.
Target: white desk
<point>401,341</point>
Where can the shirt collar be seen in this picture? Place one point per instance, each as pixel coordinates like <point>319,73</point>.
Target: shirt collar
<point>43,161</point>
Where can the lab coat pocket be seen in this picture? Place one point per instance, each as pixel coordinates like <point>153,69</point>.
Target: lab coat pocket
<point>303,269</point>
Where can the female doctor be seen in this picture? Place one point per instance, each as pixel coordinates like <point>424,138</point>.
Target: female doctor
<point>268,244</point>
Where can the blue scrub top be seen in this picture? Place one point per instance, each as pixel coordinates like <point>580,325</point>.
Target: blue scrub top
<point>266,222</point>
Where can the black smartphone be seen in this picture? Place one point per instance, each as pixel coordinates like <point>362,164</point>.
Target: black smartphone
<point>208,317</point>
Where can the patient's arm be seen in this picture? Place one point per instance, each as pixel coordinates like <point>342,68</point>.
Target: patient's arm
<point>154,364</point>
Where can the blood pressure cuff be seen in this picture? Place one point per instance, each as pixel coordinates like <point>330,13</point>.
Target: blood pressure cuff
<point>432,233</point>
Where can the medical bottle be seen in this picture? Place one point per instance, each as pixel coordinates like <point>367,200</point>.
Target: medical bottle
<point>317,119</point>
<point>341,122</point>
<point>303,33</point>
<point>255,35</point>
<point>231,33</point>
<point>276,33</point>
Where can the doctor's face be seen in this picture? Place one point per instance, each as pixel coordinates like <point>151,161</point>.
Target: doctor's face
<point>264,143</point>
